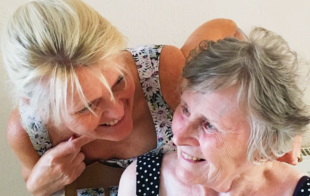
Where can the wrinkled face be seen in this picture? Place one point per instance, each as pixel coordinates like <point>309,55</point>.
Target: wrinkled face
<point>211,134</point>
<point>113,119</point>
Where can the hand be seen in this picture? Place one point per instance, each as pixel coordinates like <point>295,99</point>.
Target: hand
<point>292,156</point>
<point>211,30</point>
<point>58,167</point>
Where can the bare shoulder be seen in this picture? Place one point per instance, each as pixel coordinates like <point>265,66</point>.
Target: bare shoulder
<point>285,182</point>
<point>211,30</point>
<point>15,132</point>
<point>170,70</point>
<point>20,143</point>
<point>168,176</point>
<point>127,186</point>
<point>168,165</point>
<point>127,56</point>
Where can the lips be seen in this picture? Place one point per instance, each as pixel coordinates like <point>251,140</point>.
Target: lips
<point>110,123</point>
<point>113,123</point>
<point>191,158</point>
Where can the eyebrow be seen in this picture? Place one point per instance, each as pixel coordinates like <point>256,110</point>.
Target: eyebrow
<point>119,76</point>
<point>90,102</point>
<point>210,116</point>
<point>96,99</point>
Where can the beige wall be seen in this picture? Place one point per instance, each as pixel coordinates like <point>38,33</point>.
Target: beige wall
<point>165,22</point>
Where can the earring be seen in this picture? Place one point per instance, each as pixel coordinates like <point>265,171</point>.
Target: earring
<point>300,158</point>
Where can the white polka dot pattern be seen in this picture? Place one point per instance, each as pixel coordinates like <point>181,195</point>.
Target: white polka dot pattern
<point>303,187</point>
<point>148,174</point>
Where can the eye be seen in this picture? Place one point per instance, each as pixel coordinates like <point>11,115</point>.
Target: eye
<point>185,110</point>
<point>207,126</point>
<point>119,80</point>
<point>86,108</point>
<point>119,84</point>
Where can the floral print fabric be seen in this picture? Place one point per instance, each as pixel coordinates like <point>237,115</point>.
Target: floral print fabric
<point>35,128</point>
<point>147,62</point>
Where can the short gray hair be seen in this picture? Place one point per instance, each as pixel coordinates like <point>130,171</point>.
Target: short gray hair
<point>45,41</point>
<point>265,70</point>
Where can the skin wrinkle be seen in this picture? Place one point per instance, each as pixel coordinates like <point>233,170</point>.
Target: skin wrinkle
<point>237,174</point>
<point>87,122</point>
<point>89,94</point>
<point>218,173</point>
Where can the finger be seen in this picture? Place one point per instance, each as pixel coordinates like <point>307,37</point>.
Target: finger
<point>79,169</point>
<point>70,147</point>
<point>81,141</point>
<point>79,158</point>
<point>75,173</point>
<point>61,150</point>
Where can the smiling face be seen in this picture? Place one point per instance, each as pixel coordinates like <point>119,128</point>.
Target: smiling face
<point>113,119</point>
<point>211,134</point>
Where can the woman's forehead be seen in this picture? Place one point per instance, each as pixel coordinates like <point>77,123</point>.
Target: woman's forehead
<point>218,97</point>
<point>91,85</point>
<point>218,107</point>
<point>215,104</point>
<point>94,72</point>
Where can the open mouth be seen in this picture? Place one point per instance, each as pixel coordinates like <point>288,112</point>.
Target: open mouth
<point>110,123</point>
<point>191,158</point>
<point>113,122</point>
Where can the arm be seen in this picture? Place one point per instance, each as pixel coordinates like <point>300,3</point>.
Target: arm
<point>21,144</point>
<point>212,30</point>
<point>127,186</point>
<point>172,59</point>
<point>56,168</point>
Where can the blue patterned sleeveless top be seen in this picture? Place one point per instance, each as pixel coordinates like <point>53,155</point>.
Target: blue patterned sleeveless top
<point>147,62</point>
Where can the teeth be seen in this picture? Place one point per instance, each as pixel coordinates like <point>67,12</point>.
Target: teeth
<point>186,156</point>
<point>111,123</point>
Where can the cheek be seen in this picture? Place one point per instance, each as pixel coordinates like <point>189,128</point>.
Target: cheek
<point>130,89</point>
<point>224,150</point>
<point>209,147</point>
<point>83,123</point>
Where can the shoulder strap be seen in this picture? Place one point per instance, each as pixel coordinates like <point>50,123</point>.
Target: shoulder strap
<point>147,61</point>
<point>303,187</point>
<point>148,174</point>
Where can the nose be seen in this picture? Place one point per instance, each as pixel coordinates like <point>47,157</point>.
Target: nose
<point>185,135</point>
<point>113,110</point>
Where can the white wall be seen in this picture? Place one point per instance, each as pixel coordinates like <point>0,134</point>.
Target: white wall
<point>165,22</point>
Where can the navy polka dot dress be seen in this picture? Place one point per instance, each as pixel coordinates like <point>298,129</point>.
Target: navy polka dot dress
<point>303,187</point>
<point>148,174</point>
<point>148,177</point>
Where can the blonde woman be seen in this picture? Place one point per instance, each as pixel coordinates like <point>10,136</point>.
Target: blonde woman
<point>82,97</point>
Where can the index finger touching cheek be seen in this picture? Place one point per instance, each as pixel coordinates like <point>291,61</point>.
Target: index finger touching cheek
<point>81,141</point>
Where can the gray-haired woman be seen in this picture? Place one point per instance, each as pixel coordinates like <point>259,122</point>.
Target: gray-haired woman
<point>240,110</point>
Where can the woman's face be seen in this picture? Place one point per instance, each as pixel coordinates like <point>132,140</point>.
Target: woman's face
<point>113,119</point>
<point>211,134</point>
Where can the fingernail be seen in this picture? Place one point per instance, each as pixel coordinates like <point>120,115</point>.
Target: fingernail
<point>71,138</point>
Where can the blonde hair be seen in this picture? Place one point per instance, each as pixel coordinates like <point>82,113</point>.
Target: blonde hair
<point>45,41</point>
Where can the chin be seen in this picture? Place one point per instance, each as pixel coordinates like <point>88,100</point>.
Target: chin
<point>184,175</point>
<point>118,135</point>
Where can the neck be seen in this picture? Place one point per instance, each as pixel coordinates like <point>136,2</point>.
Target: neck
<point>251,180</point>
